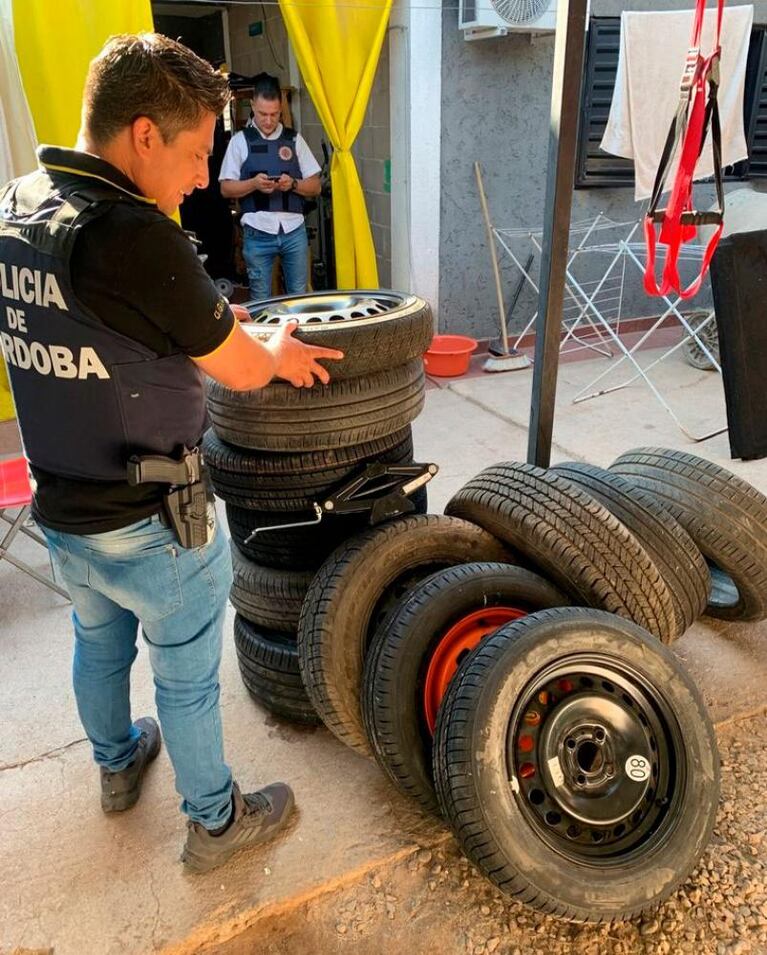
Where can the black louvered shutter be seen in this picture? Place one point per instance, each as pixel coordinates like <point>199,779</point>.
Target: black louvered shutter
<point>595,167</point>
<point>756,107</point>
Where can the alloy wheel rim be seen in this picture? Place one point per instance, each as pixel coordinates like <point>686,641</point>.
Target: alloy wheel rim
<point>325,309</point>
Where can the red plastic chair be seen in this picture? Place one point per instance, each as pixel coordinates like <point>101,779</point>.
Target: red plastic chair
<point>15,492</point>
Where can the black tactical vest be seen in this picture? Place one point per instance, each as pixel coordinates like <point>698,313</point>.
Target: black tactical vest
<point>273,157</point>
<point>86,396</point>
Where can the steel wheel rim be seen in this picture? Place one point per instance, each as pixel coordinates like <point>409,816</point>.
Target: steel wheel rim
<point>724,590</point>
<point>328,308</point>
<point>580,728</point>
<point>453,647</point>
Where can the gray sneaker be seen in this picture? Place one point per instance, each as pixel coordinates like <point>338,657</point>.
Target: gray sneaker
<point>120,791</point>
<point>257,818</point>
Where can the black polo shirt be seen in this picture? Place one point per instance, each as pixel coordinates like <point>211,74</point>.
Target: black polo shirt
<point>138,272</point>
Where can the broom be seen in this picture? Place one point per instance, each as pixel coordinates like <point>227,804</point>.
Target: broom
<point>503,358</point>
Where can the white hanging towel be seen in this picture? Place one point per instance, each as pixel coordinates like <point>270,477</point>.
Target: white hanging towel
<point>653,48</point>
<point>17,132</point>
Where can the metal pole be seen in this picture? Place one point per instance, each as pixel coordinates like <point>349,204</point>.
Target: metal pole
<point>569,49</point>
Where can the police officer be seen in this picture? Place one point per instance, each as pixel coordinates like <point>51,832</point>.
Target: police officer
<point>270,170</point>
<point>107,323</point>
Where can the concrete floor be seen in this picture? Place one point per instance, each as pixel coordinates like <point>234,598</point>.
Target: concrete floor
<point>76,882</point>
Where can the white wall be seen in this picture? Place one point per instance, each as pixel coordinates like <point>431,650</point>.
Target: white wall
<point>416,100</point>
<point>255,54</point>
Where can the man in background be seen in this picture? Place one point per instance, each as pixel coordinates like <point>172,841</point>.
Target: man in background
<point>269,168</point>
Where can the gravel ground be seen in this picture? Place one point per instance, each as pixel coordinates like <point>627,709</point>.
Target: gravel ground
<point>436,902</point>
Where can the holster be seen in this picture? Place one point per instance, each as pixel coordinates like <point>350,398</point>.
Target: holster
<point>188,502</point>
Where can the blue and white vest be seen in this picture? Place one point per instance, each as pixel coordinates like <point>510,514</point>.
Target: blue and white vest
<point>273,157</point>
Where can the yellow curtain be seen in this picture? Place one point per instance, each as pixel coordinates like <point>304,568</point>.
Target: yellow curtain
<point>17,132</point>
<point>337,44</point>
<point>55,42</point>
<point>17,142</point>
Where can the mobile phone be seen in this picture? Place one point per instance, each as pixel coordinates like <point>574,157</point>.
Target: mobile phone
<point>274,178</point>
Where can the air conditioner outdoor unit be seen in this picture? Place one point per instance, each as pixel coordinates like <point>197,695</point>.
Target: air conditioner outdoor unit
<point>488,18</point>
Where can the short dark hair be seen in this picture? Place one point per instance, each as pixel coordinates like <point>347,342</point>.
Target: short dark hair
<point>148,74</point>
<point>266,86</point>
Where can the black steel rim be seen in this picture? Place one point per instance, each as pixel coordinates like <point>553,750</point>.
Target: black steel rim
<point>596,760</point>
<point>321,308</point>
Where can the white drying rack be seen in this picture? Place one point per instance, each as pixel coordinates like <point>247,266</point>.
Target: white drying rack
<point>595,307</point>
<point>628,251</point>
<point>603,301</point>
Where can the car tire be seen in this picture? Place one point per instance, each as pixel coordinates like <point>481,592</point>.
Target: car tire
<point>267,481</point>
<point>671,548</point>
<point>376,329</point>
<point>268,662</point>
<point>419,648</point>
<point>724,515</point>
<point>352,411</point>
<point>299,548</point>
<point>582,826</point>
<point>352,594</point>
<point>269,598</point>
<point>571,538</point>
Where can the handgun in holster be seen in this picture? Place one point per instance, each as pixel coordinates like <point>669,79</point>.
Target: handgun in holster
<point>188,502</point>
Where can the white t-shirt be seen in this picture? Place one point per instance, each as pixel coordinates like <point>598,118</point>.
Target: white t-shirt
<point>237,153</point>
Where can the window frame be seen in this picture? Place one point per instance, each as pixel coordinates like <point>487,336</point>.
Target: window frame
<point>616,172</point>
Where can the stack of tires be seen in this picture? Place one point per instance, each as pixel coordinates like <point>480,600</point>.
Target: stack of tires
<point>508,666</point>
<point>273,452</point>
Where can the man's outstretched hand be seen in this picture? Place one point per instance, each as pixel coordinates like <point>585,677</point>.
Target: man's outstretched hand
<point>296,361</point>
<point>240,313</point>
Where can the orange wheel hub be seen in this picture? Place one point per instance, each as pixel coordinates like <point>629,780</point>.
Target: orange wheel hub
<point>459,640</point>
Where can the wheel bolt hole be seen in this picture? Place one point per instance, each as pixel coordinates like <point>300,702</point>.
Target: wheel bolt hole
<point>573,831</point>
<point>589,757</point>
<point>536,797</point>
<point>553,818</point>
<point>599,735</point>
<point>570,744</point>
<point>619,830</point>
<point>581,780</point>
<point>597,836</point>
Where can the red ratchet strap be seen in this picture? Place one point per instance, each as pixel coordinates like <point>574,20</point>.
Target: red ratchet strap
<point>695,114</point>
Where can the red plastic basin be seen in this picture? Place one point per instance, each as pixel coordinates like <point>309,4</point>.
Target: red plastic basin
<point>448,355</point>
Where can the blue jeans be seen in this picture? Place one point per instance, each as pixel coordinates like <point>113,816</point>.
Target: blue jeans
<point>140,575</point>
<point>260,249</point>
